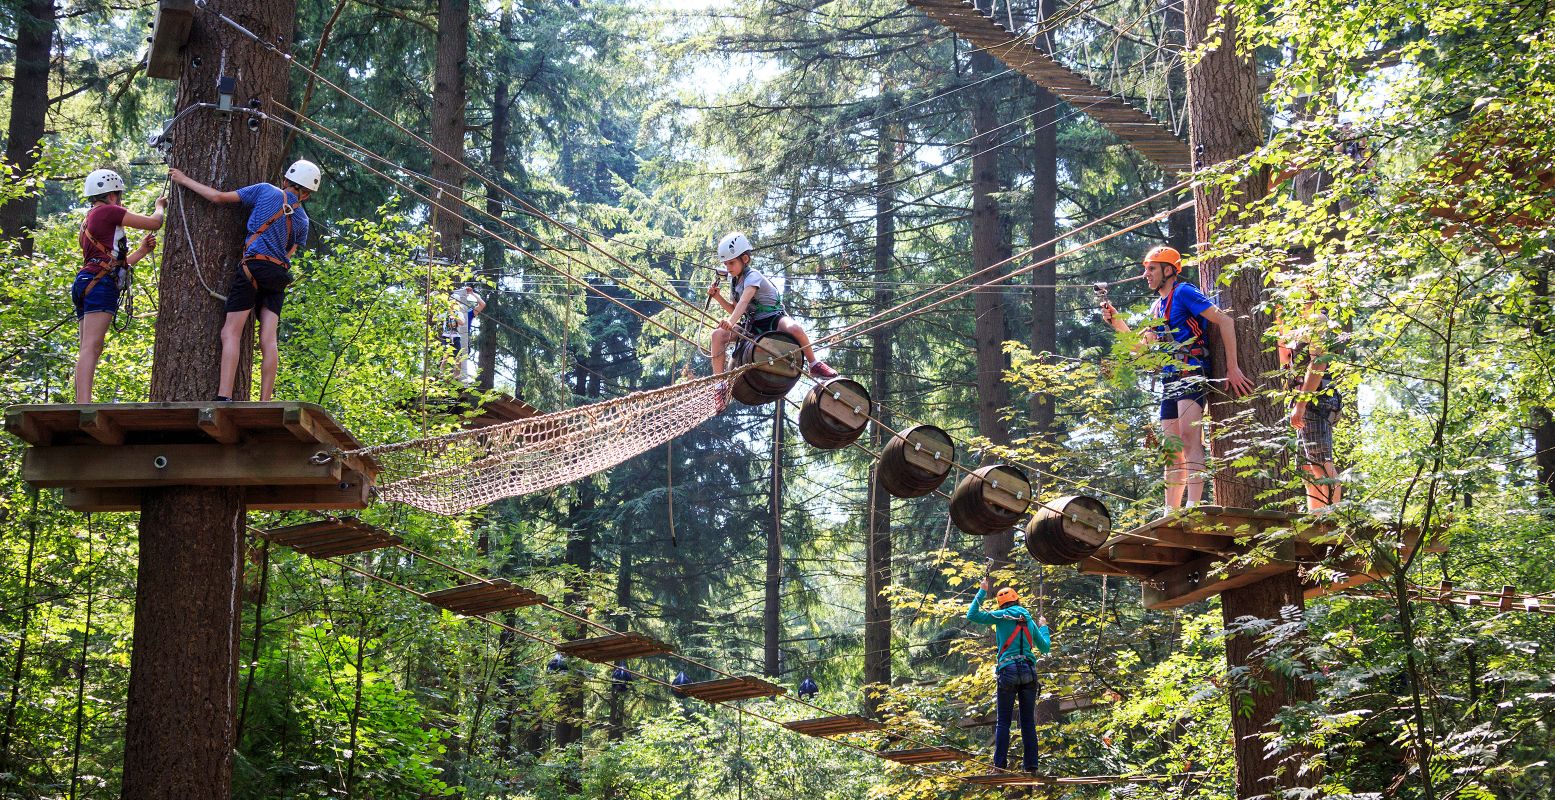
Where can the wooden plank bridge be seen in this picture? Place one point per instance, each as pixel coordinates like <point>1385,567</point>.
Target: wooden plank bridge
<point>1146,134</point>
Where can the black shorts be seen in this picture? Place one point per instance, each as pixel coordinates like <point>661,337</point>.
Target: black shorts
<point>756,327</point>
<point>1182,387</point>
<point>272,278</point>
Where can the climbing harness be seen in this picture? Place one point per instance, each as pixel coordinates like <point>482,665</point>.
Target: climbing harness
<point>286,210</point>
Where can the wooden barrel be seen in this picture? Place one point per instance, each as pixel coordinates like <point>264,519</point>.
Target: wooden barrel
<point>777,358</point>
<point>834,413</point>
<point>990,499</point>
<point>1068,530</point>
<point>915,461</point>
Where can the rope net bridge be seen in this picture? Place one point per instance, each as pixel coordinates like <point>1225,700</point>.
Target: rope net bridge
<point>460,471</point>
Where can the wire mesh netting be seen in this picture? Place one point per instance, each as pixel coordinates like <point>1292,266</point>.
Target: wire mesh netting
<point>459,471</point>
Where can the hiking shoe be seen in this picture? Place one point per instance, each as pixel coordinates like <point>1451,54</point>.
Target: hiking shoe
<point>820,369</point>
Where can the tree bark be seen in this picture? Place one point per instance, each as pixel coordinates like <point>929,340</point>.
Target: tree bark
<point>179,735</point>
<point>877,547</point>
<point>35,25</point>
<point>495,254</point>
<point>1044,226</point>
<point>988,245</point>
<point>448,122</point>
<point>772,603</point>
<point>14,701</point>
<point>1543,416</point>
<point>1179,226</point>
<point>1225,121</point>
<point>580,552</point>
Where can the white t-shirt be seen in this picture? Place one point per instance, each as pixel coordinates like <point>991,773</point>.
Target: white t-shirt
<point>462,303</point>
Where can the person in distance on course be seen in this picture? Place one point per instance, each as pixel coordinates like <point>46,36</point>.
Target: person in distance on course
<point>1015,670</point>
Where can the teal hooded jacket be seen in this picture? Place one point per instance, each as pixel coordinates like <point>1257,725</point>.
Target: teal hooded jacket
<point>1006,621</point>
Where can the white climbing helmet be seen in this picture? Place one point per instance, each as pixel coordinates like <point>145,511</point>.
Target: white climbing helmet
<point>733,246</point>
<point>102,181</point>
<point>304,173</point>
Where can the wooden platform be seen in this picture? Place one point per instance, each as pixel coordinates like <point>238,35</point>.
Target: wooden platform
<point>103,455</point>
<point>925,755</point>
<point>331,538</point>
<point>834,726</point>
<point>1180,557</point>
<point>614,647</point>
<point>488,597</point>
<point>727,690</point>
<point>497,410</point>
<point>1028,779</point>
<point>1138,129</point>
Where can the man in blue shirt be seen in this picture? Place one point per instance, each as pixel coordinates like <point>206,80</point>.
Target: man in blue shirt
<point>1017,634</point>
<point>277,226</point>
<point>1185,313</point>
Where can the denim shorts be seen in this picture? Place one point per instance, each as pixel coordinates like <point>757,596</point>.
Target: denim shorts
<point>103,298</point>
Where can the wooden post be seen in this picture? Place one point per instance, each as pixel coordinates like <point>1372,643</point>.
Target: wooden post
<point>1225,121</point>
<point>179,735</point>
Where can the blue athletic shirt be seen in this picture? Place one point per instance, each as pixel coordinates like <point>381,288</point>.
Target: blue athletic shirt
<point>265,199</point>
<point>1188,305</point>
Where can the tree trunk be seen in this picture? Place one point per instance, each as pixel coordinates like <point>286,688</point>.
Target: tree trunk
<point>1044,226</point>
<point>772,603</point>
<point>988,245</point>
<point>179,735</point>
<point>448,125</point>
<point>623,605</point>
<point>1225,121</point>
<point>495,254</point>
<point>86,642</point>
<point>580,555</point>
<point>35,24</point>
<point>25,601</point>
<point>1179,226</point>
<point>877,547</point>
<point>1543,416</point>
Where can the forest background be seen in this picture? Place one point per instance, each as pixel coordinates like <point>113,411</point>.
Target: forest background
<point>871,156</point>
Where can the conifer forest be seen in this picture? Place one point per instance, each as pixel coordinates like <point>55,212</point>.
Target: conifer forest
<point>770,399</point>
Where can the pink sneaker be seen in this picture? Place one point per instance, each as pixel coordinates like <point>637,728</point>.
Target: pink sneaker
<point>721,396</point>
<point>820,369</point>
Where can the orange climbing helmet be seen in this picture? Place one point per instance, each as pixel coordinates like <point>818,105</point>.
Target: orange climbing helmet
<point>1007,596</point>
<point>1165,255</point>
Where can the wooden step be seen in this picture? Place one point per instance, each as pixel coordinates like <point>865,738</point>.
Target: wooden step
<point>488,597</point>
<point>926,755</point>
<point>726,690</point>
<point>614,647</point>
<point>834,726</point>
<point>331,538</point>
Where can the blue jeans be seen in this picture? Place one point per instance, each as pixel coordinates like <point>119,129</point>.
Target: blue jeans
<point>1017,680</point>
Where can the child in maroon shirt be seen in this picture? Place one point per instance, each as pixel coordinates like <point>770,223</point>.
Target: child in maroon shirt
<point>105,262</point>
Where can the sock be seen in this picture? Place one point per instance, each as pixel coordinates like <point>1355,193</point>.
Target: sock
<point>221,399</point>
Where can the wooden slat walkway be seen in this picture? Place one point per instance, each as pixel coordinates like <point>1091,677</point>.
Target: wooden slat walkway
<point>834,726</point>
<point>725,690</point>
<point>614,647</point>
<point>1139,130</point>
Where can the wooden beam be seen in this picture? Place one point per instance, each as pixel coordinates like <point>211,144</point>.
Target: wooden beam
<point>1096,565</point>
<point>348,494</point>
<point>253,464</point>
<point>99,425</point>
<point>1145,554</point>
<point>20,424</point>
<point>217,423</point>
<point>1205,577</point>
<point>169,34</point>
<point>1178,538</point>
